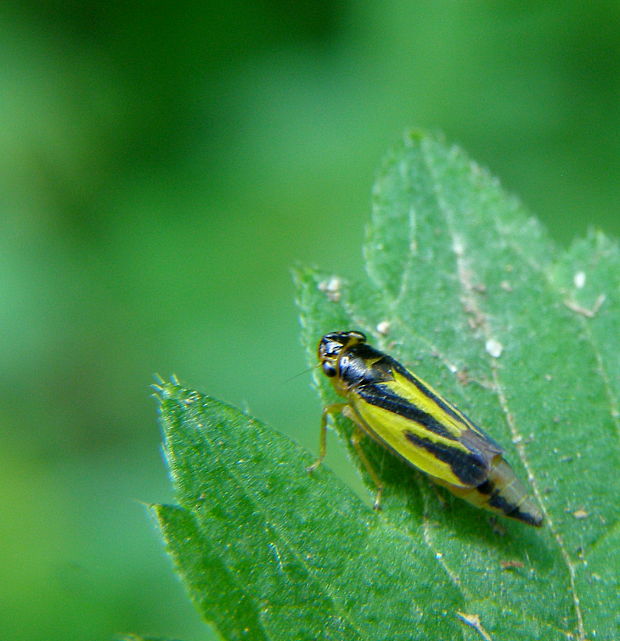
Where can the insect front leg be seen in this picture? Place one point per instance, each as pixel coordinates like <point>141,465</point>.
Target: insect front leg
<point>334,408</point>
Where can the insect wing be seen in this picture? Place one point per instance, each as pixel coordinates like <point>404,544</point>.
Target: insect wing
<point>415,422</point>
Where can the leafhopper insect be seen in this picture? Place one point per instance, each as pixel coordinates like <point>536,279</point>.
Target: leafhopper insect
<point>409,418</point>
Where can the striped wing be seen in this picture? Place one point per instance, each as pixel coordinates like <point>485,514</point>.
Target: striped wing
<point>410,418</point>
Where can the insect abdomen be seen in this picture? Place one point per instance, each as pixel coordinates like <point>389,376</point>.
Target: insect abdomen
<point>502,492</point>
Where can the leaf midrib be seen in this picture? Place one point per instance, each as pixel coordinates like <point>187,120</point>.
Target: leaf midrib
<point>501,396</point>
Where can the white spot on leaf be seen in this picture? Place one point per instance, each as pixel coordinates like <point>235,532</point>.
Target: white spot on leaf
<point>383,328</point>
<point>494,348</point>
<point>331,287</point>
<point>579,279</point>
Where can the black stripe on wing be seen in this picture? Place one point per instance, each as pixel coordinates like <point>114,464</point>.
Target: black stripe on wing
<point>471,468</point>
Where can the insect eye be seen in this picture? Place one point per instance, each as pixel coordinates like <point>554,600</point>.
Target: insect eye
<point>328,369</point>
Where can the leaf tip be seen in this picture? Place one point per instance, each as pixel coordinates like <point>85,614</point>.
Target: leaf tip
<point>164,390</point>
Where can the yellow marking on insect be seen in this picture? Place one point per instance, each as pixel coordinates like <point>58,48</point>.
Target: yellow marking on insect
<point>408,417</point>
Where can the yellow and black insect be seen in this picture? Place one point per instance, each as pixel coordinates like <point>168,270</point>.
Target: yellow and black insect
<point>409,418</point>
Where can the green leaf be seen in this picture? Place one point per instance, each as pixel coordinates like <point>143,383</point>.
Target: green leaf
<point>137,637</point>
<point>461,273</point>
<point>471,294</point>
<point>268,552</point>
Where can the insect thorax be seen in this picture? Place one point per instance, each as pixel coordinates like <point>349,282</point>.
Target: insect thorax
<point>364,365</point>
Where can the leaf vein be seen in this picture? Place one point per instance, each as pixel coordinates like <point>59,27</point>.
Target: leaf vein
<point>464,278</point>
<point>614,402</point>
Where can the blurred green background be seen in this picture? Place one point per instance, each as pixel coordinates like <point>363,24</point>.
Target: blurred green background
<point>162,168</point>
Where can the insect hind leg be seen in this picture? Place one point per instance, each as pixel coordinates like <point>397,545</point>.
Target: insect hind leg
<point>358,434</point>
<point>356,437</point>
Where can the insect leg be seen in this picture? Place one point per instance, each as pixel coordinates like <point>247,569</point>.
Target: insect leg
<point>356,437</point>
<point>334,408</point>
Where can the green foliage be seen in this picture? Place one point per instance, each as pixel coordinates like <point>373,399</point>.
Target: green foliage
<point>137,637</point>
<point>466,289</point>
